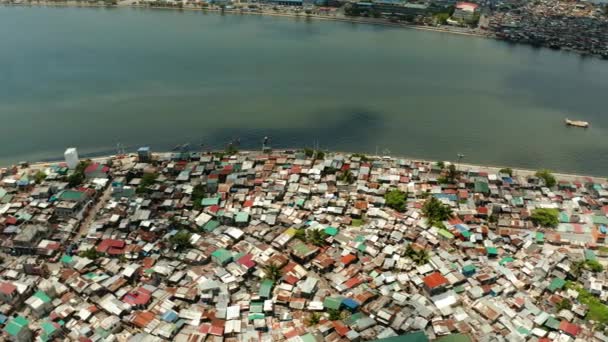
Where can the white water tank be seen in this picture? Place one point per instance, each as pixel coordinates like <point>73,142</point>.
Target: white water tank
<point>71,157</point>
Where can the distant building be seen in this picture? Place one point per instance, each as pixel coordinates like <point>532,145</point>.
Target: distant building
<point>143,154</point>
<point>71,157</point>
<point>465,11</point>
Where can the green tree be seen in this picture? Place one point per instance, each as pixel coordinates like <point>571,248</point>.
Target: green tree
<point>507,170</point>
<point>231,149</point>
<point>435,211</point>
<point>545,217</point>
<point>39,177</point>
<point>309,152</point>
<point>198,193</point>
<point>576,268</point>
<point>147,180</point>
<point>594,266</point>
<point>181,240</point>
<point>316,237</point>
<point>440,164</point>
<point>314,319</point>
<point>300,234</point>
<point>334,314</point>
<point>421,257</point>
<point>77,177</point>
<point>272,272</point>
<point>90,253</point>
<point>396,199</point>
<point>564,304</point>
<point>452,173</point>
<point>547,176</point>
<point>347,177</point>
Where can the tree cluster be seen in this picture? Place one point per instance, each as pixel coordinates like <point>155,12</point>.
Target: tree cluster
<point>548,177</point>
<point>436,212</point>
<point>396,199</point>
<point>545,217</point>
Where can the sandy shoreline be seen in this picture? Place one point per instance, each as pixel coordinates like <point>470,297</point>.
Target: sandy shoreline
<point>366,21</point>
<point>460,166</point>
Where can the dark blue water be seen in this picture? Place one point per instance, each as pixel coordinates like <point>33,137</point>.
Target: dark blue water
<point>91,78</point>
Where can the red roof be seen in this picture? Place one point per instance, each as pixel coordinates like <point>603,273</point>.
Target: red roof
<point>140,296</point>
<point>341,329</point>
<point>435,280</point>
<point>111,246</point>
<point>348,258</point>
<point>467,6</point>
<point>246,260</point>
<point>7,288</point>
<point>569,328</point>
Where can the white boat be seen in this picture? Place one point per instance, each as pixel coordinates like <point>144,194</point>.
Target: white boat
<point>577,123</point>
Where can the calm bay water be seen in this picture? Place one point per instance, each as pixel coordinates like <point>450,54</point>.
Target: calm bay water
<point>94,77</point>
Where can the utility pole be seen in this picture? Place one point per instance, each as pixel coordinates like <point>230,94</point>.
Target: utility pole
<point>460,157</point>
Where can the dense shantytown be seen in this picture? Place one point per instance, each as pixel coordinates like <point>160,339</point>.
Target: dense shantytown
<point>300,245</point>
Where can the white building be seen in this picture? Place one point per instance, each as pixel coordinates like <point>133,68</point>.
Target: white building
<point>71,157</point>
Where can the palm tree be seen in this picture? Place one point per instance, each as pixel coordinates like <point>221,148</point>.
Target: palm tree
<point>316,237</point>
<point>421,257</point>
<point>272,272</point>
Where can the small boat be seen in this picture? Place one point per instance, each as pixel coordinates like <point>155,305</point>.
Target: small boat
<point>577,123</point>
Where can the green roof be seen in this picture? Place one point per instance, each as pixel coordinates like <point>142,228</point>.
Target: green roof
<point>556,284</point>
<point>308,338</point>
<point>600,219</point>
<point>482,187</point>
<point>301,249</point>
<point>506,260</point>
<point>468,268</point>
<point>42,296</point>
<point>253,316</point>
<point>540,237</point>
<point>266,288</point>
<point>446,234</point>
<point>210,201</point>
<point>418,336</point>
<point>67,259</point>
<point>222,255</point>
<point>332,303</point>
<point>332,231</point>
<point>590,255</point>
<point>14,326</point>
<point>552,323</point>
<point>48,328</point>
<point>242,217</point>
<point>454,338</point>
<point>71,195</point>
<point>211,225</point>
<point>492,250</point>
<point>256,307</point>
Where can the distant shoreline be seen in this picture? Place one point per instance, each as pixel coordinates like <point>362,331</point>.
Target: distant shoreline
<point>360,20</point>
<point>460,166</point>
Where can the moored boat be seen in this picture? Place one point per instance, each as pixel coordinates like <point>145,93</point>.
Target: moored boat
<point>577,123</point>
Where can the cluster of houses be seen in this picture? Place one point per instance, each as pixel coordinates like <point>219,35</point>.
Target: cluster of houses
<point>296,246</point>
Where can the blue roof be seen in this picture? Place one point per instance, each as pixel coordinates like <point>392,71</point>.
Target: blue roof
<point>170,316</point>
<point>603,229</point>
<point>143,149</point>
<point>451,197</point>
<point>350,303</point>
<point>462,227</point>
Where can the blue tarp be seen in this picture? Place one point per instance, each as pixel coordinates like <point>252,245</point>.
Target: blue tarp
<point>170,316</point>
<point>350,303</point>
